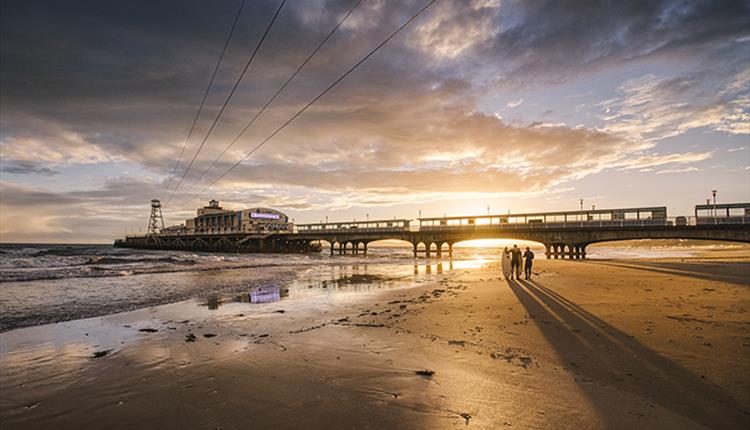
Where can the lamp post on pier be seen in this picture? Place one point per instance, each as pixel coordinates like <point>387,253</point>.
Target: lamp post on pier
<point>713,192</point>
<point>580,201</point>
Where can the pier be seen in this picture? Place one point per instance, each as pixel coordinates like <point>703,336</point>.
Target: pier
<point>564,234</point>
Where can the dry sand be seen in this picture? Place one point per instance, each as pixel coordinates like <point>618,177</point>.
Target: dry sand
<point>597,344</point>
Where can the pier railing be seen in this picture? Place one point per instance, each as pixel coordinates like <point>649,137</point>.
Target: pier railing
<point>354,230</point>
<point>665,222</point>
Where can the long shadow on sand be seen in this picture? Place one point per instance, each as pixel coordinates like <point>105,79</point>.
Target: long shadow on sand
<point>732,272</point>
<point>600,354</point>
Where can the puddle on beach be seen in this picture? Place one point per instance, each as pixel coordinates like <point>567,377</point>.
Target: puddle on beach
<point>341,280</point>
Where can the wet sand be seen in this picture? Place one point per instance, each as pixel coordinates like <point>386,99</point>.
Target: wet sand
<point>586,345</point>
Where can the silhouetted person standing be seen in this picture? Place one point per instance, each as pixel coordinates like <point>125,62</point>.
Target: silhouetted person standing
<point>515,262</point>
<point>528,257</point>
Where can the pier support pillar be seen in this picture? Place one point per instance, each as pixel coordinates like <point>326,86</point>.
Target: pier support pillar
<point>547,252</point>
<point>583,252</point>
<point>427,247</point>
<point>450,250</point>
<point>415,250</point>
<point>440,250</point>
<point>364,250</point>
<point>570,252</point>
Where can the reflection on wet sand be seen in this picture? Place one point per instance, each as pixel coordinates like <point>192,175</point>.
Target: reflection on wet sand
<point>357,278</point>
<point>213,303</point>
<point>265,294</point>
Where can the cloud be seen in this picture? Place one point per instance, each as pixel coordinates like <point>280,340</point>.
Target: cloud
<point>122,88</point>
<point>542,42</point>
<point>456,27</point>
<point>32,214</point>
<point>25,168</point>
<point>653,107</point>
<point>514,103</point>
<point>369,142</point>
<point>685,170</point>
<point>653,160</point>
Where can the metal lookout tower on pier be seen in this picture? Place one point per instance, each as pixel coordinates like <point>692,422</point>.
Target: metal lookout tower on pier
<point>156,221</point>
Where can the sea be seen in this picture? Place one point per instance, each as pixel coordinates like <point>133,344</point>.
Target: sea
<point>48,283</point>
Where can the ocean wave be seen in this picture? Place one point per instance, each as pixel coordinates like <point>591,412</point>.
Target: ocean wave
<point>68,251</point>
<point>100,260</point>
<point>97,270</point>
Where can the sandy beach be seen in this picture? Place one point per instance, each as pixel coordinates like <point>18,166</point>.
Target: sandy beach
<point>659,343</point>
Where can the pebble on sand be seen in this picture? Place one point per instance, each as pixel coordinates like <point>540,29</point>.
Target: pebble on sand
<point>100,354</point>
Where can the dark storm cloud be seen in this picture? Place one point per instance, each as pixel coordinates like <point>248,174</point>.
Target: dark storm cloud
<point>136,69</point>
<point>543,41</point>
<point>27,197</point>
<point>25,168</point>
<point>125,75</point>
<point>124,78</point>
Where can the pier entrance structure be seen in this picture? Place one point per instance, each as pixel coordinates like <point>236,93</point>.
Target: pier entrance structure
<point>565,234</point>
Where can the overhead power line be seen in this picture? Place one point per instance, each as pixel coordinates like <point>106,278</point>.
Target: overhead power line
<point>229,97</point>
<point>313,101</point>
<point>205,94</point>
<point>271,100</point>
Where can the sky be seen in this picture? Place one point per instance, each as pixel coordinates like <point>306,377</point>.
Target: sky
<point>519,106</point>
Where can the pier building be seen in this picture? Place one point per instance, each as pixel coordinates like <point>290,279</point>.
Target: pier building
<point>213,219</point>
